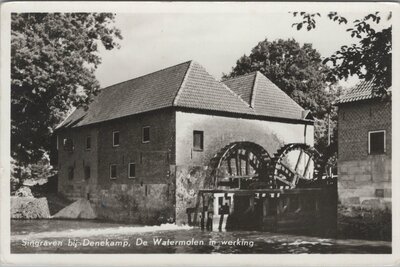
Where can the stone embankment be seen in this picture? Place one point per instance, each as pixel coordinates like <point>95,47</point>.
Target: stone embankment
<point>29,208</point>
<point>24,205</point>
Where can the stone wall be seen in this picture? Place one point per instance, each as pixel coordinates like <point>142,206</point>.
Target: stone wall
<point>29,208</point>
<point>363,179</point>
<point>131,203</point>
<point>189,179</point>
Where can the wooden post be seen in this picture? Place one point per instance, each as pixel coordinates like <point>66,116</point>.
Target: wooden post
<point>298,160</point>
<point>238,165</point>
<point>307,166</point>
<point>202,211</point>
<point>264,212</point>
<point>229,166</point>
<point>247,163</point>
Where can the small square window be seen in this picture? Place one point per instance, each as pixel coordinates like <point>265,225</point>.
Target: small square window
<point>113,171</point>
<point>198,140</point>
<point>68,144</point>
<point>132,170</point>
<point>70,173</point>
<point>87,172</point>
<point>377,142</point>
<point>88,142</point>
<point>146,134</point>
<point>115,138</point>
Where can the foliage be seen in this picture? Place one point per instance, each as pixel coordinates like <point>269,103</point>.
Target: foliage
<point>42,169</point>
<point>370,59</point>
<point>297,70</point>
<point>53,59</point>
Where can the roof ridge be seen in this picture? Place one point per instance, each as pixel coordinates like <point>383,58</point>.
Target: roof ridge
<point>142,76</point>
<point>253,90</point>
<point>183,83</point>
<point>223,85</point>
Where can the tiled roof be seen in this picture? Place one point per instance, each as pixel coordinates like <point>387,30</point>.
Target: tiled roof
<point>264,96</point>
<point>200,90</point>
<point>187,85</point>
<point>242,85</point>
<point>149,92</point>
<point>362,91</point>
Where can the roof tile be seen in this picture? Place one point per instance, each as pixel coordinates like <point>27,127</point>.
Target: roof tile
<point>187,85</point>
<point>362,91</point>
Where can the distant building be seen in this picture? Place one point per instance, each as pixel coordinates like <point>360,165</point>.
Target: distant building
<point>365,148</point>
<point>141,149</point>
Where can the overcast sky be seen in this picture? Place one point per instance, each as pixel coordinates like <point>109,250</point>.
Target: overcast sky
<point>155,41</point>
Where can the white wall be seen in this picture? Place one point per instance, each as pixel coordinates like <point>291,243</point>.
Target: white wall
<point>220,131</point>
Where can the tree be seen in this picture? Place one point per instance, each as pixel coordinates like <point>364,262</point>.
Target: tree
<point>300,72</point>
<point>297,70</point>
<point>370,59</point>
<point>53,59</point>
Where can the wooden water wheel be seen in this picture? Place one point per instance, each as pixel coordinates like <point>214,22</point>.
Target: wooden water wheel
<point>239,165</point>
<point>293,165</point>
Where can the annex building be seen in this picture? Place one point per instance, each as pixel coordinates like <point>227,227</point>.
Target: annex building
<point>365,148</point>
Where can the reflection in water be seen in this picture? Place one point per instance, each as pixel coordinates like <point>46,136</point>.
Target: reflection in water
<point>35,236</point>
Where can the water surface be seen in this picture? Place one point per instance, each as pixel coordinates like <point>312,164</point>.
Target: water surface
<point>69,236</point>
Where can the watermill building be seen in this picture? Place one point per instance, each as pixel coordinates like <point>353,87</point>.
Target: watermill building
<point>143,148</point>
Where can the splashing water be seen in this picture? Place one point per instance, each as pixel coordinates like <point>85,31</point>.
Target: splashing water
<point>121,230</point>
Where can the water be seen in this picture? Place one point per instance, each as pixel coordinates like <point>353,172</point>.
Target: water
<point>68,236</point>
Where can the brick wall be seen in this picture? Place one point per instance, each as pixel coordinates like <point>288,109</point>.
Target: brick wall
<point>78,159</point>
<point>147,198</point>
<point>152,159</point>
<point>364,179</point>
<point>355,120</point>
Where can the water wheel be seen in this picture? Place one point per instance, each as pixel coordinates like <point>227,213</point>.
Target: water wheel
<point>293,165</point>
<point>239,165</point>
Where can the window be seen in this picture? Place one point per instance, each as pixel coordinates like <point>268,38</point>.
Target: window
<point>198,140</point>
<point>377,142</point>
<point>87,172</point>
<point>132,170</point>
<point>146,134</point>
<point>113,171</point>
<point>70,173</point>
<point>88,142</point>
<point>68,144</point>
<point>115,138</point>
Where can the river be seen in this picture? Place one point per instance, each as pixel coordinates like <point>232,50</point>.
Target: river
<point>71,236</point>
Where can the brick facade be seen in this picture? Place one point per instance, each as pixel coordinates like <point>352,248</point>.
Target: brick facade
<point>153,186</point>
<point>364,178</point>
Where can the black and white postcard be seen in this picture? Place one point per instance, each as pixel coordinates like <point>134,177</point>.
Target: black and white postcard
<point>196,134</point>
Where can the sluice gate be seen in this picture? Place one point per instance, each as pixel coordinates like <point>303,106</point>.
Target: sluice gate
<point>247,189</point>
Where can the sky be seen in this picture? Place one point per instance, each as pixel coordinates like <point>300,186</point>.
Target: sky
<point>153,41</point>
